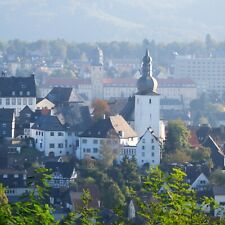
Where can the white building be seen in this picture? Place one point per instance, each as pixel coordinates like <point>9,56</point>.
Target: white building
<point>51,137</point>
<point>207,73</point>
<point>114,131</point>
<point>147,150</point>
<point>219,197</point>
<point>17,92</point>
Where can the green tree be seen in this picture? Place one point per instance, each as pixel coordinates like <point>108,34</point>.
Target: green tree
<point>177,136</point>
<point>171,201</point>
<point>112,196</point>
<point>217,177</point>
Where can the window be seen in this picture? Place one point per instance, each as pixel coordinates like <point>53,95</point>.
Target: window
<point>30,101</point>
<point>60,133</point>
<point>5,175</point>
<point>36,132</point>
<point>152,140</point>
<point>51,145</point>
<point>18,101</point>
<point>21,93</point>
<point>153,154</point>
<point>16,175</point>
<point>28,93</point>
<point>95,141</point>
<point>36,141</point>
<point>143,154</point>
<point>40,145</point>
<point>88,150</point>
<point>69,134</point>
<point>4,125</point>
<point>153,147</point>
<point>24,101</point>
<point>84,141</point>
<point>52,133</point>
<point>0,101</point>
<point>143,147</point>
<point>95,150</point>
<point>143,140</point>
<point>13,93</point>
<point>7,101</point>
<point>150,101</point>
<point>13,101</point>
<point>84,149</point>
<point>60,145</point>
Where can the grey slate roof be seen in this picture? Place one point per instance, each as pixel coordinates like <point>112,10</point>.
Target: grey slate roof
<point>6,115</point>
<point>60,95</point>
<point>219,190</point>
<point>64,168</point>
<point>103,127</point>
<point>48,123</point>
<point>17,86</point>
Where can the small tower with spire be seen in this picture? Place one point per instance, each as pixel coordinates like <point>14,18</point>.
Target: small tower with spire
<point>97,73</point>
<point>147,100</point>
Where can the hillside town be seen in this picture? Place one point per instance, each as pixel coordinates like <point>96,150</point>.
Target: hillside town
<point>70,125</point>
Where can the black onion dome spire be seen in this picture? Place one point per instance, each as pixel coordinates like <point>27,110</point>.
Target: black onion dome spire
<point>147,83</point>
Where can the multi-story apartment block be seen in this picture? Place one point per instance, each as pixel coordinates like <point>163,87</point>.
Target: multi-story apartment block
<point>207,73</point>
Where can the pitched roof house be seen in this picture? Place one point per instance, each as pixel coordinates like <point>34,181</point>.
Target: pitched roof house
<point>17,92</point>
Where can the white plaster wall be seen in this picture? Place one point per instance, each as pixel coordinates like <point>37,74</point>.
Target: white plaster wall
<point>147,114</point>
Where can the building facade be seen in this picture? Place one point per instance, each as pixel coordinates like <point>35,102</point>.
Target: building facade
<point>17,92</point>
<point>207,73</point>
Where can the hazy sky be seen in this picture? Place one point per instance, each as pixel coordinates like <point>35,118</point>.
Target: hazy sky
<point>103,20</point>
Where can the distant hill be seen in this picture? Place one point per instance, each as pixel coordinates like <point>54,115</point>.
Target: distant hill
<point>103,20</point>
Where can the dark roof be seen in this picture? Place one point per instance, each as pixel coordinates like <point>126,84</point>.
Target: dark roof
<point>6,115</point>
<point>170,101</point>
<point>11,181</point>
<point>17,86</point>
<point>64,168</point>
<point>219,190</point>
<point>193,172</point>
<point>48,123</point>
<point>128,110</point>
<point>103,127</point>
<point>59,95</point>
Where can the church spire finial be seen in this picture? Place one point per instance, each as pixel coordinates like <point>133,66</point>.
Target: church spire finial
<point>146,68</point>
<point>147,83</point>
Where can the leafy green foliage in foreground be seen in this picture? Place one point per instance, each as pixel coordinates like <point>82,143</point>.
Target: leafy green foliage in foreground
<point>164,199</point>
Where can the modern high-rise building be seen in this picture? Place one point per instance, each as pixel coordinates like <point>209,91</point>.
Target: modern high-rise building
<point>207,73</point>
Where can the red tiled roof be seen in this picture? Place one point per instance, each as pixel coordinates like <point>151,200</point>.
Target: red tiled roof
<point>193,140</point>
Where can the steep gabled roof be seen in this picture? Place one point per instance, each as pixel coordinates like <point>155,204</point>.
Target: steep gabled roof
<point>6,115</point>
<point>48,123</point>
<point>59,95</point>
<point>64,168</point>
<point>17,86</point>
<point>103,128</point>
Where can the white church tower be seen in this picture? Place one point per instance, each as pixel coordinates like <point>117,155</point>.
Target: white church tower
<point>147,100</point>
<point>97,73</point>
